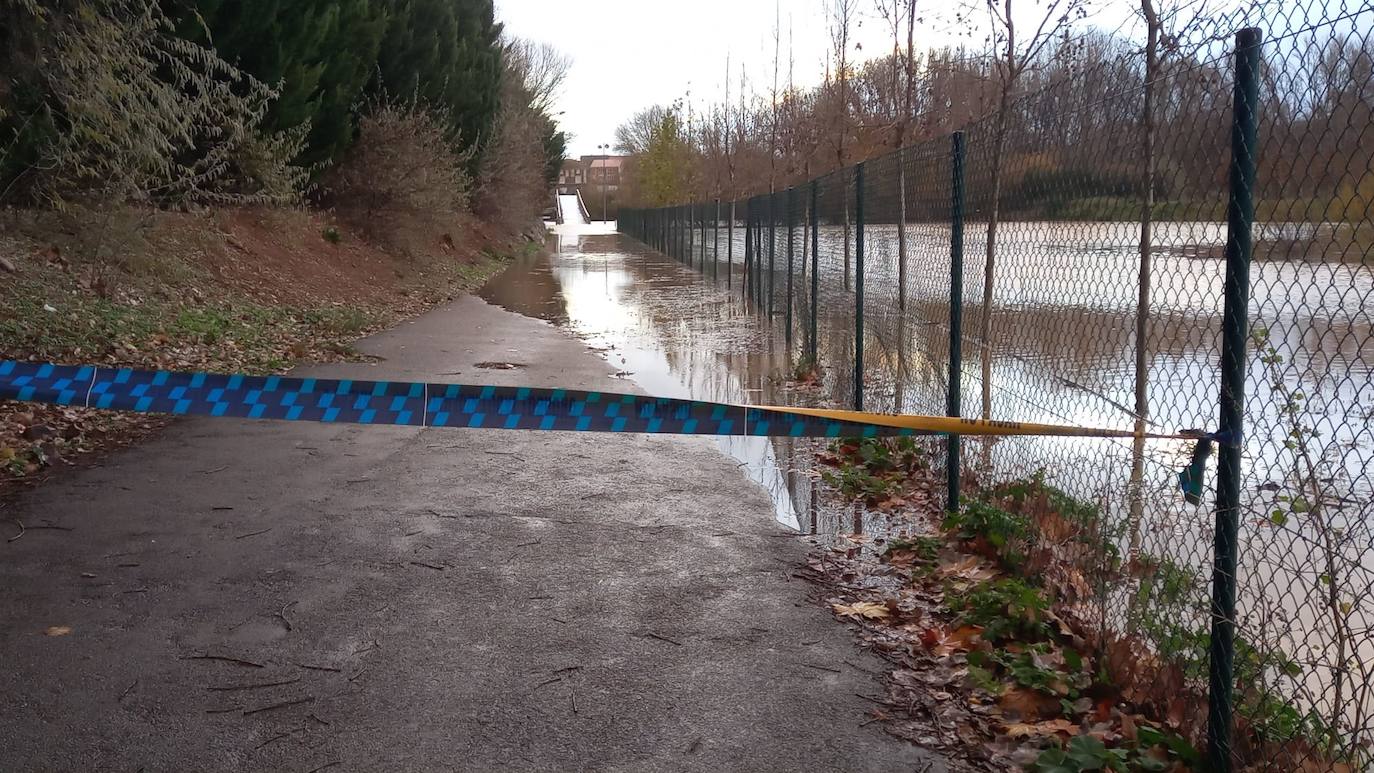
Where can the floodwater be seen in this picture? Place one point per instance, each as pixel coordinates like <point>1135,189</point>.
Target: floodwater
<point>1064,335</point>
<point>672,335</point>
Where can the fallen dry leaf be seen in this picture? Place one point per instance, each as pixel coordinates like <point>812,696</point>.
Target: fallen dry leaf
<point>1028,704</point>
<point>58,630</point>
<point>942,643</point>
<point>967,568</point>
<point>1052,727</point>
<point>863,609</point>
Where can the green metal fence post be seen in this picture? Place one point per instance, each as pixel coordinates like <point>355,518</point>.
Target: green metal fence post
<point>956,318</point>
<point>859,287</point>
<point>1240,220</point>
<point>730,246</point>
<point>815,219</point>
<point>748,244</point>
<point>690,223</point>
<point>715,244</point>
<point>701,220</point>
<point>791,243</point>
<point>772,247</point>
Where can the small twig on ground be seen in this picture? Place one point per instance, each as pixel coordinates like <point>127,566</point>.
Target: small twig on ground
<point>360,672</point>
<point>225,658</point>
<point>428,566</point>
<point>573,697</point>
<point>505,453</point>
<point>569,668</point>
<point>258,686</point>
<point>653,635</point>
<point>546,682</point>
<point>314,716</point>
<point>413,533</point>
<point>317,668</point>
<point>278,737</point>
<point>282,705</point>
<point>254,533</point>
<point>559,620</point>
<point>50,527</point>
<point>871,698</point>
<point>131,686</point>
<point>221,507</point>
<point>527,544</point>
<point>858,667</point>
<point>214,470</point>
<point>284,619</point>
<point>21,530</point>
<point>821,668</point>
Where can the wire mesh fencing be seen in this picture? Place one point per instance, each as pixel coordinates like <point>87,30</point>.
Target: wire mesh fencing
<point>1189,251</point>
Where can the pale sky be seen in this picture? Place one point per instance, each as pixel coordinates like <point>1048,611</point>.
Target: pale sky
<point>630,54</point>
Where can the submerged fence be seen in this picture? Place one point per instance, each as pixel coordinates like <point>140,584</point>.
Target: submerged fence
<point>1209,270</point>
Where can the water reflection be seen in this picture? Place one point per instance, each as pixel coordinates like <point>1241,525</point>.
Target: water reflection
<point>660,326</point>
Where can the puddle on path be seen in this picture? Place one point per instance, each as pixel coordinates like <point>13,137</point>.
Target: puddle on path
<point>677,334</point>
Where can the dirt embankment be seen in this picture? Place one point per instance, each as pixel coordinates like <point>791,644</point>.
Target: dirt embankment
<point>241,290</point>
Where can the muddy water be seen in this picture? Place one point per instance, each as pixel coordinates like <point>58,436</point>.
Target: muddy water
<point>685,331</point>
<point>673,335</point>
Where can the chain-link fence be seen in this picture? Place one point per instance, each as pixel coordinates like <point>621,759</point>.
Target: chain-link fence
<point>1194,244</point>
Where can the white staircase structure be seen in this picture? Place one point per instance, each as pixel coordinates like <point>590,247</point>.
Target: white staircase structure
<point>570,209</point>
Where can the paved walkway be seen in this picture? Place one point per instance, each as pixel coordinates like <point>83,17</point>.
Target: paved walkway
<point>423,599</point>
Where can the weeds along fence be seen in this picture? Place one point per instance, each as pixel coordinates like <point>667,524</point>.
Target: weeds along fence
<point>1209,269</point>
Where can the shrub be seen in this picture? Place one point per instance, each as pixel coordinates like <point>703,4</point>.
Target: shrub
<point>403,172</point>
<point>1007,609</point>
<point>118,108</point>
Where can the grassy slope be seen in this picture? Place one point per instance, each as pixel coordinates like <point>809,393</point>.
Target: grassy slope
<point>244,291</point>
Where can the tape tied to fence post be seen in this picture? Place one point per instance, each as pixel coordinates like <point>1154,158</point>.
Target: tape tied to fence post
<point>421,404</point>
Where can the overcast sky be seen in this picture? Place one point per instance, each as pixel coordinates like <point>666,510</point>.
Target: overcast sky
<point>629,54</point>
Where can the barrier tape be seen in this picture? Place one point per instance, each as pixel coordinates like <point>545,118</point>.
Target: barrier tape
<point>419,404</point>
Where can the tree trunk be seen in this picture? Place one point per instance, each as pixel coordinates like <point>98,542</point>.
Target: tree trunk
<point>1142,309</point>
<point>901,232</point>
<point>989,266</point>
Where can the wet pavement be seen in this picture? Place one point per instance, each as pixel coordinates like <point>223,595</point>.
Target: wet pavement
<point>673,332</point>
<point>243,595</point>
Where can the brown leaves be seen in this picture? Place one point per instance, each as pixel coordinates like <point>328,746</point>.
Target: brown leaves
<point>1041,729</point>
<point>968,569</point>
<point>1027,704</point>
<point>866,610</point>
<point>942,642</point>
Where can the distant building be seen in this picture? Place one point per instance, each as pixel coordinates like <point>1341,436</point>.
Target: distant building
<point>604,170</point>
<point>596,179</point>
<point>572,175</point>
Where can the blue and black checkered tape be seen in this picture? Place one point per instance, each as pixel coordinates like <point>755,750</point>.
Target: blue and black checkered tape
<point>403,403</point>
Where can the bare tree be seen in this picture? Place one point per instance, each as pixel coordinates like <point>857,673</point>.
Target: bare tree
<point>841,14</point>
<point>899,13</point>
<point>633,136</point>
<point>541,67</point>
<point>1013,57</point>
